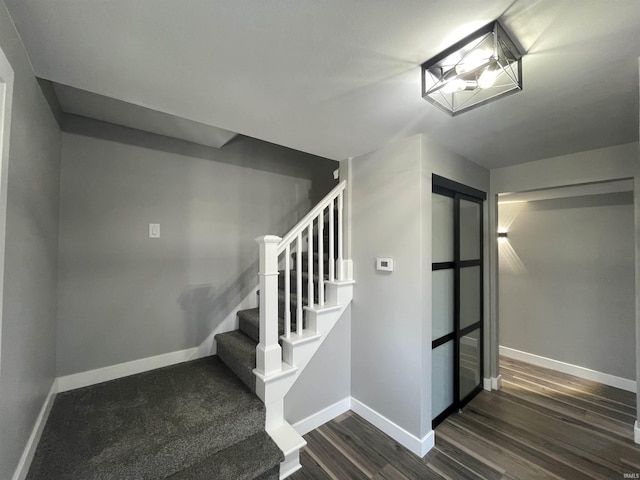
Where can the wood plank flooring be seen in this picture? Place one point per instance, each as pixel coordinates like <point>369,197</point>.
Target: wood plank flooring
<point>542,424</point>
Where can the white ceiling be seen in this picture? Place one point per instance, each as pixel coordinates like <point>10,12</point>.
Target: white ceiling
<point>339,78</point>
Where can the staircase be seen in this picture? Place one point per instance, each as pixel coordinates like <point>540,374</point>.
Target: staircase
<point>195,420</point>
<point>305,286</point>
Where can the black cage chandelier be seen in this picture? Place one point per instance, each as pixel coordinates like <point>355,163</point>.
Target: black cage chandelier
<point>478,69</point>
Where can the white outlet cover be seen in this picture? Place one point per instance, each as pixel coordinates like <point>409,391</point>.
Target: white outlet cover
<point>154,230</point>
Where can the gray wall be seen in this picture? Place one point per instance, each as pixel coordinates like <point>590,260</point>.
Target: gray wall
<point>29,307</point>
<point>123,296</point>
<point>386,312</point>
<point>567,281</point>
<point>327,377</point>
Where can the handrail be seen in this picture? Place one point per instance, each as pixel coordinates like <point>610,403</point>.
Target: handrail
<point>309,217</point>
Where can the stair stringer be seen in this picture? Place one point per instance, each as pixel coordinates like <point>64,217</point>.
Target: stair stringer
<point>297,351</point>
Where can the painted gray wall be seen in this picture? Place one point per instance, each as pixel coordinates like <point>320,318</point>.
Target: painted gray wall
<point>386,312</point>
<point>29,307</point>
<point>567,281</point>
<point>327,377</point>
<point>123,296</point>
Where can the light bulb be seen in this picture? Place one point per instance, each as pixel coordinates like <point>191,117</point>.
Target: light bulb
<point>488,77</point>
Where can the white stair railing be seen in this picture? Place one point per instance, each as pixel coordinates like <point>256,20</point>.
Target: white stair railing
<point>275,252</point>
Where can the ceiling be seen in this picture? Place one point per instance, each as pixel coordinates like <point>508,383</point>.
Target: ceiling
<point>338,78</point>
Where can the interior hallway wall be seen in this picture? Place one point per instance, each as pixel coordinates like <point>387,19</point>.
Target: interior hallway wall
<point>567,281</point>
<point>30,264</point>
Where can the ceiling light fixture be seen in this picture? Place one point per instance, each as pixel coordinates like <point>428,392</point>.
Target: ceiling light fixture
<point>478,69</point>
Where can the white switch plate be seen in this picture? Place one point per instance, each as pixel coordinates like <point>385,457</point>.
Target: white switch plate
<point>384,264</point>
<point>154,230</point>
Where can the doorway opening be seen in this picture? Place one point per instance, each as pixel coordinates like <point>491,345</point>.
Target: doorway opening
<point>566,280</point>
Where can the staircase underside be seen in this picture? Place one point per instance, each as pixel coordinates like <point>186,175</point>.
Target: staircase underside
<point>192,421</point>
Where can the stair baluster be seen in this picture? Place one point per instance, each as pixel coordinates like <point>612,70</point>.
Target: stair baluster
<point>332,258</point>
<point>287,292</point>
<point>341,273</point>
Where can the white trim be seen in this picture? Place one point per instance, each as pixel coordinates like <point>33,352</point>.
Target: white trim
<point>30,448</point>
<point>325,415</point>
<point>636,432</point>
<point>575,370</point>
<point>496,383</point>
<point>486,384</point>
<point>99,375</point>
<point>6,103</point>
<point>419,446</point>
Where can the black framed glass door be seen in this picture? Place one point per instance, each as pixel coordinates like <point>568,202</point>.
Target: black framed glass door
<point>457,300</point>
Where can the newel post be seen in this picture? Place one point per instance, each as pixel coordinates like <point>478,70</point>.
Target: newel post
<point>268,351</point>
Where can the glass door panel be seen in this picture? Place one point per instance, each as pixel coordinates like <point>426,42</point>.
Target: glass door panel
<point>470,294</point>
<point>469,372</point>
<point>442,222</point>
<point>470,238</point>
<point>442,304</point>
<point>442,394</point>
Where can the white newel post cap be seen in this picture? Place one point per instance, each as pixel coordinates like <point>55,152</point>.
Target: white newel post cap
<point>268,239</point>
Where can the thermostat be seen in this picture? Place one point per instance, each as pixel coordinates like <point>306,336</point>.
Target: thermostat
<point>384,264</point>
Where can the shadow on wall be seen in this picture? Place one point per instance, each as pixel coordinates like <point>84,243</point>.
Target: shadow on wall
<point>208,307</point>
<point>211,309</point>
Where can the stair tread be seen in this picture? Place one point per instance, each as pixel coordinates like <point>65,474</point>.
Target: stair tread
<point>250,323</point>
<point>244,460</point>
<point>238,352</point>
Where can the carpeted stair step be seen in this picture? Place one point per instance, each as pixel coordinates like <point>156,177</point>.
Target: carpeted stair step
<point>254,458</point>
<point>305,258</point>
<point>153,425</point>
<point>293,303</point>
<point>250,323</point>
<point>305,281</point>
<point>238,352</point>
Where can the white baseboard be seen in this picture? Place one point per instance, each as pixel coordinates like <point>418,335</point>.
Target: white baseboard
<point>34,438</point>
<point>575,370</point>
<point>325,415</point>
<point>99,375</point>
<point>419,446</point>
<point>492,383</point>
<point>636,432</point>
<point>206,348</point>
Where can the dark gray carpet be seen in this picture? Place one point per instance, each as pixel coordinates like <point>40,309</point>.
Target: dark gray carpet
<point>192,421</point>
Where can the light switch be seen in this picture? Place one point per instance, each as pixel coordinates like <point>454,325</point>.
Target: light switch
<point>384,264</point>
<point>154,230</point>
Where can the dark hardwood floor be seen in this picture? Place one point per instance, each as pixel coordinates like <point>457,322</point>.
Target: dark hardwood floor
<point>542,424</point>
